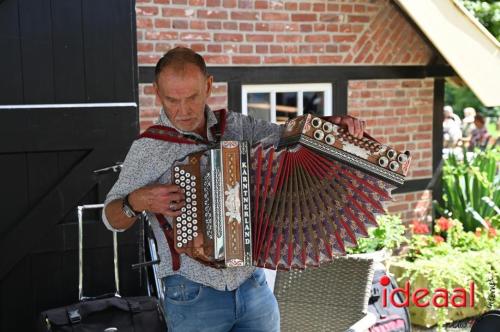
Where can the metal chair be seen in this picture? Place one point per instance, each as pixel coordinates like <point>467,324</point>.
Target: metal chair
<point>332,298</point>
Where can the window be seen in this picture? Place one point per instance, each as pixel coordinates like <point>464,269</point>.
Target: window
<point>280,102</point>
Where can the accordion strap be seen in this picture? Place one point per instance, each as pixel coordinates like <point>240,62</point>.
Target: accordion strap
<point>169,134</point>
<point>169,235</point>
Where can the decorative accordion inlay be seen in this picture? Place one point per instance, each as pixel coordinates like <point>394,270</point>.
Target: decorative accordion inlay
<point>294,206</point>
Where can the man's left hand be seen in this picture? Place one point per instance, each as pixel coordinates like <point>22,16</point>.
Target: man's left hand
<point>355,126</point>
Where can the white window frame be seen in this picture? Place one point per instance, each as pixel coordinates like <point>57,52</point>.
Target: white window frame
<point>272,89</point>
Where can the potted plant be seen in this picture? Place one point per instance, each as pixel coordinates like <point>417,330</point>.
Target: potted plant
<point>381,240</point>
<point>446,264</point>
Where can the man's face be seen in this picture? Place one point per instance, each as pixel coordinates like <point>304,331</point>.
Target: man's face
<point>183,95</point>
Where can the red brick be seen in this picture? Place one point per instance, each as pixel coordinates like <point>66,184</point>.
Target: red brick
<point>376,103</point>
<point>332,48</point>
<point>216,59</point>
<point>144,23</point>
<point>291,6</point>
<point>319,7</point>
<point>262,49</point>
<point>276,49</point>
<point>276,59</point>
<point>230,25</point>
<point>230,48</point>
<point>261,4</point>
<point>305,6</point>
<point>161,35</point>
<point>359,8</point>
<point>213,3</point>
<point>196,2</point>
<point>330,58</point>
<point>195,36</point>
<point>303,17</point>
<point>319,27</point>
<point>246,48</point>
<point>331,7</point>
<point>213,48</point>
<point>246,26</point>
<point>147,59</point>
<point>358,18</point>
<point>332,27</point>
<point>399,102</point>
<point>233,37</point>
<point>318,39</point>
<point>144,47</point>
<point>229,3</point>
<point>346,8</point>
<point>275,17</point>
<point>179,2</point>
<point>242,16</point>
<point>261,27</point>
<point>212,14</point>
<point>163,47</point>
<point>179,24</point>
<point>197,25</point>
<point>330,17</point>
<point>214,25</point>
<point>343,38</point>
<point>259,38</point>
<point>198,47</point>
<point>299,60</point>
<point>169,12</point>
<point>163,23</point>
<point>306,28</point>
<point>246,59</point>
<point>146,10</point>
<point>291,49</point>
<point>422,136</point>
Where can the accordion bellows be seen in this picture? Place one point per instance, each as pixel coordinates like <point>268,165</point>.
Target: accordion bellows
<point>298,205</point>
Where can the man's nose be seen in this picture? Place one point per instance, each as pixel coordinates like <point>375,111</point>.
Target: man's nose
<point>183,107</point>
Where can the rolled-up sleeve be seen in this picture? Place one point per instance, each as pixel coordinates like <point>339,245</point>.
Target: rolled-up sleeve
<point>138,170</point>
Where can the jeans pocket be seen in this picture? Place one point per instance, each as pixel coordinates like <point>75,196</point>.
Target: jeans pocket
<point>259,278</point>
<point>183,294</point>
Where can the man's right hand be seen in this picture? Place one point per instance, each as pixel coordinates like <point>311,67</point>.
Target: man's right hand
<point>167,199</point>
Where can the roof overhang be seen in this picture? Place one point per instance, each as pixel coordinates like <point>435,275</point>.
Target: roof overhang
<point>466,45</point>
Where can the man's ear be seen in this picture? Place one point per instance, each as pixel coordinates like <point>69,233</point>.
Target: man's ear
<point>210,81</point>
<point>157,92</point>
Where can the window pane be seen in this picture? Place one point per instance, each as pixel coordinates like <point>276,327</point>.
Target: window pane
<point>314,102</point>
<point>259,105</point>
<point>286,106</point>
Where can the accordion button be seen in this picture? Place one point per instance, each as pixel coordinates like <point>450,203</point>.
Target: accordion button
<point>194,203</point>
<point>383,161</point>
<point>194,208</point>
<point>195,234</point>
<point>188,174</point>
<point>195,228</point>
<point>177,181</point>
<point>184,228</point>
<point>179,238</point>
<point>318,134</point>
<point>189,231</point>
<point>391,154</point>
<point>394,166</point>
<point>182,172</point>
<point>188,199</point>
<point>188,187</point>
<point>195,215</point>
<point>183,222</point>
<point>189,237</point>
<point>316,122</point>
<point>183,209</point>
<point>193,196</point>
<point>176,175</point>
<point>182,184</point>
<point>193,177</point>
<point>184,241</point>
<point>179,244</point>
<point>176,169</point>
<point>330,139</point>
<point>327,127</point>
<point>196,221</point>
<point>402,157</point>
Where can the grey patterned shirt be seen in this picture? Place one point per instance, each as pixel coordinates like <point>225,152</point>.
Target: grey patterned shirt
<point>149,161</point>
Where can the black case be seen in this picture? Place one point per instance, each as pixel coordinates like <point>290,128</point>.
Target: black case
<point>109,312</point>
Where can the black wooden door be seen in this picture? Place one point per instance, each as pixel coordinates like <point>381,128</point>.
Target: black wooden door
<point>68,106</point>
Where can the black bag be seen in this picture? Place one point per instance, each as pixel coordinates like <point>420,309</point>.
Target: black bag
<point>389,318</point>
<point>109,312</point>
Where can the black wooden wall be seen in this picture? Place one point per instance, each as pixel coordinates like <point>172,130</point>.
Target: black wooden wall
<point>68,106</point>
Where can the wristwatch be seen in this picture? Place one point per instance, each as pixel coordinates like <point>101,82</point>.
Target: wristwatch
<point>127,208</point>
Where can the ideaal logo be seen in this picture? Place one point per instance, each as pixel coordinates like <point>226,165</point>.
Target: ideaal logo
<point>439,297</point>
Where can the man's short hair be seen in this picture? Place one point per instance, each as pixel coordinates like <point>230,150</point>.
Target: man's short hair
<point>177,58</point>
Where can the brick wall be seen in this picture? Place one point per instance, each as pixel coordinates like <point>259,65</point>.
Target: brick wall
<point>399,113</point>
<point>253,33</point>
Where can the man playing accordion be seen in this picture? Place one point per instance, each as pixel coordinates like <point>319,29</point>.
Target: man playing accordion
<point>197,297</point>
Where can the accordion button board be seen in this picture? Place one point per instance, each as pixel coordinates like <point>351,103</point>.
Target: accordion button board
<point>335,141</point>
<point>295,206</point>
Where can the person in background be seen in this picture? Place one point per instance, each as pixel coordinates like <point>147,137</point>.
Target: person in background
<point>468,124</point>
<point>480,135</point>
<point>451,128</point>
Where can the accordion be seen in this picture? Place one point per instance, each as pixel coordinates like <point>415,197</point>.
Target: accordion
<point>296,205</point>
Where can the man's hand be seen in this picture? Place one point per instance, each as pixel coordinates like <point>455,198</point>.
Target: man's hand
<point>167,199</point>
<point>355,126</point>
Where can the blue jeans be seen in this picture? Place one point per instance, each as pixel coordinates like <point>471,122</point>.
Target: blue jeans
<point>191,306</point>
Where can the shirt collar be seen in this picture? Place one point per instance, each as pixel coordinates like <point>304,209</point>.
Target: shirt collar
<point>211,120</point>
